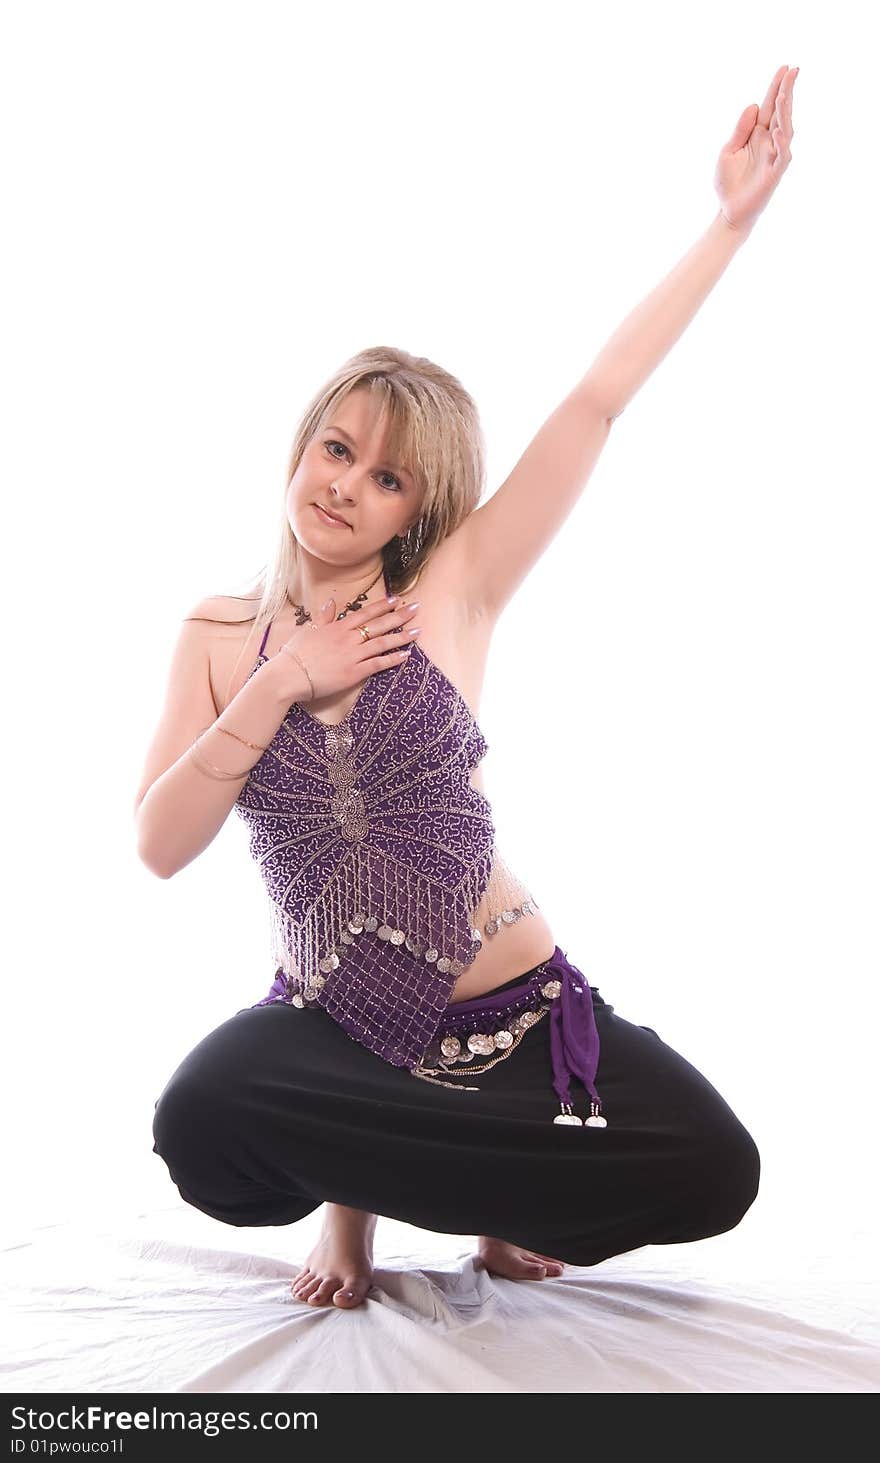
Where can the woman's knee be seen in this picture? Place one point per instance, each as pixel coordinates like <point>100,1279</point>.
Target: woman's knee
<point>728,1166</point>
<point>199,1099</point>
<point>184,1115</point>
<point>217,1169</point>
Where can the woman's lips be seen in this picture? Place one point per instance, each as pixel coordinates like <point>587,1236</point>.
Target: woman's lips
<point>326,518</point>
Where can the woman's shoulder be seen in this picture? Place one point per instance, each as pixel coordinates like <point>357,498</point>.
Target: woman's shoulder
<point>225,609</point>
<point>224,626</point>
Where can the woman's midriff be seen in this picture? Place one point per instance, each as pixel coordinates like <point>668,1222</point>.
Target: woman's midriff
<point>513,950</point>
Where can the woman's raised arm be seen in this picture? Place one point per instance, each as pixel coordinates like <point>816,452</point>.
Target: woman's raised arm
<point>504,538</point>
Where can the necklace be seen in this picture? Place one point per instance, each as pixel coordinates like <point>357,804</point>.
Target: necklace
<point>302,614</point>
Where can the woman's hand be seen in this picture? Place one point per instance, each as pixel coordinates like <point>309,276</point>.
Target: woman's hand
<point>754,159</point>
<point>338,657</point>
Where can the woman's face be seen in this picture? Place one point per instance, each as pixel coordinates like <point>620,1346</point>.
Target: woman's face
<point>344,469</point>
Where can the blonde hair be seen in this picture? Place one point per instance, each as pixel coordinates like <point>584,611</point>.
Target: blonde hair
<point>434,431</point>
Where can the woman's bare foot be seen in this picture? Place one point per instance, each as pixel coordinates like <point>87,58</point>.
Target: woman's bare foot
<point>340,1267</point>
<point>512,1261</point>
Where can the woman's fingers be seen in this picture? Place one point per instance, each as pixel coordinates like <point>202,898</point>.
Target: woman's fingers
<point>765,111</point>
<point>782,130</point>
<point>777,101</point>
<point>786,114</point>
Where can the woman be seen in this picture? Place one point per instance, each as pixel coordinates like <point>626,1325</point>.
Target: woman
<point>335,713</point>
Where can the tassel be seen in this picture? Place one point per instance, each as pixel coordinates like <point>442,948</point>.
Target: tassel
<point>574,1050</point>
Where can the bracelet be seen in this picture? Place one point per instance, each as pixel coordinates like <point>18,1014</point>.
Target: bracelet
<point>212,771</point>
<point>244,741</point>
<point>303,667</point>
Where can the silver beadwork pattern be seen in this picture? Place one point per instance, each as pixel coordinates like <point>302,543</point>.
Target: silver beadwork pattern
<point>378,855</point>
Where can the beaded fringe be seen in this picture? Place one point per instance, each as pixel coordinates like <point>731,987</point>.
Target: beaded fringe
<point>373,892</point>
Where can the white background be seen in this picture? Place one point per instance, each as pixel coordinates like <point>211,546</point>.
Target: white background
<point>210,207</point>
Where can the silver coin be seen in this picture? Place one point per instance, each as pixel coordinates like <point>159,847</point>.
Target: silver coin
<point>480,1043</point>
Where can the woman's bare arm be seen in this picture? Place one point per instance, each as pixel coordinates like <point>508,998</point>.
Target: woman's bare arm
<point>504,538</point>
<point>179,808</point>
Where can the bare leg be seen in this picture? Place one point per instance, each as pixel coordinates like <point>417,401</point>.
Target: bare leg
<point>340,1267</point>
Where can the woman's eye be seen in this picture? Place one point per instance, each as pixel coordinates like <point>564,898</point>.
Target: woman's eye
<point>390,475</point>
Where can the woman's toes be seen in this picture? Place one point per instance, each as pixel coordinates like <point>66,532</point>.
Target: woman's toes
<point>551,1265</point>
<point>323,1291</point>
<point>542,1267</point>
<point>351,1294</point>
<point>320,1290</point>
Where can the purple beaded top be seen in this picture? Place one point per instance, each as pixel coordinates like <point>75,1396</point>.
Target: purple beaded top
<point>376,851</point>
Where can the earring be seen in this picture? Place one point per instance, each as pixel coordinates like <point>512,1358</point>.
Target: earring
<point>409,546</point>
